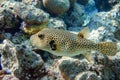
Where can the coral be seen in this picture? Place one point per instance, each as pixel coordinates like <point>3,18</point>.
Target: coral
<point>104,25</point>
<point>9,21</point>
<point>70,67</point>
<point>102,34</point>
<point>2,73</point>
<point>28,13</point>
<point>76,18</point>
<point>32,29</point>
<point>52,23</point>
<point>101,4</point>
<point>117,34</point>
<point>83,2</point>
<point>36,3</point>
<point>12,61</point>
<point>18,38</point>
<point>9,77</point>
<point>1,36</point>
<point>114,14</point>
<point>30,16</point>
<point>72,3</point>
<point>24,63</point>
<point>5,75</point>
<point>87,75</point>
<point>74,69</point>
<point>110,67</point>
<point>56,23</point>
<point>2,1</point>
<point>56,6</point>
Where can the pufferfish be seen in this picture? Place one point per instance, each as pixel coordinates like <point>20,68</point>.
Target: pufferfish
<point>64,43</point>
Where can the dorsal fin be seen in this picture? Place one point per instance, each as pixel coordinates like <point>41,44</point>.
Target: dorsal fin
<point>84,33</point>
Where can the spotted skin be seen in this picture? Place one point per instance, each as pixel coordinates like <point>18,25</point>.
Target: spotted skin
<point>69,44</point>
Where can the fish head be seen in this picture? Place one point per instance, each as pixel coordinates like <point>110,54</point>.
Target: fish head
<point>44,40</point>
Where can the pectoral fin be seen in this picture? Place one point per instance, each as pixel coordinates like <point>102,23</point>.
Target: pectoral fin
<point>84,33</point>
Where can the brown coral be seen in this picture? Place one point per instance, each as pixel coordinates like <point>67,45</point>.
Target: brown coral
<point>56,6</point>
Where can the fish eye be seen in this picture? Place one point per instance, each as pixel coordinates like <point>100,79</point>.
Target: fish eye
<point>41,36</point>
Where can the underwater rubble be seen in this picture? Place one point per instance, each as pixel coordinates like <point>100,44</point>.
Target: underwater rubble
<point>20,60</point>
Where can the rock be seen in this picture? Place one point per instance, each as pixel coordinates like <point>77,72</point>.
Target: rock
<point>115,17</point>
<point>104,25</point>
<point>9,77</point>
<point>31,16</point>
<point>87,76</point>
<point>70,67</point>
<point>21,61</point>
<point>114,14</point>
<point>107,68</point>
<point>102,34</point>
<point>2,36</point>
<point>28,13</point>
<point>32,28</point>
<point>52,23</point>
<point>117,34</point>
<point>18,0</point>
<point>110,69</point>
<point>72,3</point>
<point>82,2</point>
<point>56,23</point>
<point>101,4</point>
<point>3,73</point>
<point>56,6</point>
<point>36,3</point>
<point>11,62</point>
<point>9,21</point>
<point>24,63</point>
<point>90,8</point>
<point>75,18</point>
<point>5,35</point>
<point>19,38</point>
<point>2,1</point>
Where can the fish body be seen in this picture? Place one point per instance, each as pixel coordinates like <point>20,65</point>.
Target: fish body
<point>64,43</point>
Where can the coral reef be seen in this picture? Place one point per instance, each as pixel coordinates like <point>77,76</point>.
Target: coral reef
<point>83,2</point>
<point>4,75</point>
<point>9,77</point>
<point>101,4</point>
<point>24,63</point>
<point>69,67</point>
<point>32,16</point>
<point>116,34</point>
<point>8,20</point>
<point>72,3</point>
<point>104,25</point>
<point>87,75</point>
<point>56,23</point>
<point>28,13</point>
<point>36,3</point>
<point>19,60</point>
<point>72,20</point>
<point>51,23</point>
<point>75,69</point>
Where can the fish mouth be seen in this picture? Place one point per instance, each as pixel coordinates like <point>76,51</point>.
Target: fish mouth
<point>32,40</point>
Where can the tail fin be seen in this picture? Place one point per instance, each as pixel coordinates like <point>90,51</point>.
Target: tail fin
<point>108,48</point>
